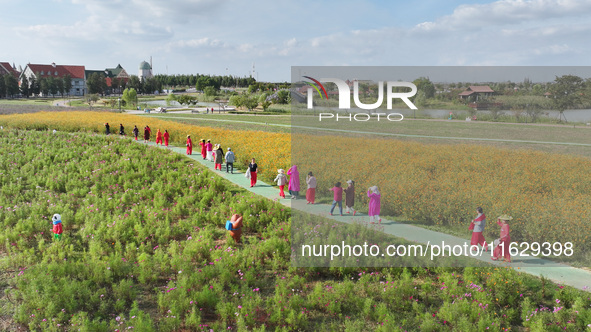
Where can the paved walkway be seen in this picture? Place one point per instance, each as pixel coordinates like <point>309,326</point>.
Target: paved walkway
<point>559,273</point>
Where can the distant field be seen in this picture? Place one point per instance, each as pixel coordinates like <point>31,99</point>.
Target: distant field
<point>507,135</point>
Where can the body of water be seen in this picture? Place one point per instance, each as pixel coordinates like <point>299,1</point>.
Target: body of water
<point>162,103</point>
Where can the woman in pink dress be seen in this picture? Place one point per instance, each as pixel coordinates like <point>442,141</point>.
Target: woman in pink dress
<point>209,148</point>
<point>479,223</point>
<point>294,182</point>
<point>311,191</point>
<point>374,204</point>
<point>502,244</point>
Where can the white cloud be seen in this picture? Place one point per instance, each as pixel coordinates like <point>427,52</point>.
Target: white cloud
<point>507,12</point>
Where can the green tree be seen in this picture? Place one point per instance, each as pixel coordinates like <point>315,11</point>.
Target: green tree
<point>251,102</point>
<point>59,85</point>
<point>187,100</point>
<point>170,98</point>
<point>135,83</point>
<point>67,83</point>
<point>567,91</point>
<point>283,96</point>
<point>91,98</point>
<point>25,87</point>
<point>96,83</point>
<point>130,96</point>
<point>264,102</point>
<point>51,86</point>
<point>2,86</point>
<point>43,86</point>
<point>426,86</point>
<point>237,100</point>
<point>35,86</point>
<point>210,91</point>
<point>11,84</point>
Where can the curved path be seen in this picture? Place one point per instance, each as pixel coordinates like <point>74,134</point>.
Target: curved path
<point>557,272</point>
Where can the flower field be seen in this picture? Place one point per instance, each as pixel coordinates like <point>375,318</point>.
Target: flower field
<point>271,150</point>
<point>144,248</point>
<point>549,195</point>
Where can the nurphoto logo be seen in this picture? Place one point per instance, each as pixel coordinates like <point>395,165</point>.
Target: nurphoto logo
<point>344,92</point>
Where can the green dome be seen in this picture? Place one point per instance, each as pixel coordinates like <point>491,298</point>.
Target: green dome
<point>145,65</point>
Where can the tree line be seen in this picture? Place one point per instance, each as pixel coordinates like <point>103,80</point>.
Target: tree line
<point>9,86</point>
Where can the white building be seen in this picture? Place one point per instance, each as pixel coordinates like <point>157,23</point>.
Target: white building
<point>145,71</point>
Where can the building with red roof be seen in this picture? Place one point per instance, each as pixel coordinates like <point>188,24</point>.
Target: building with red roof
<point>6,69</point>
<point>39,71</point>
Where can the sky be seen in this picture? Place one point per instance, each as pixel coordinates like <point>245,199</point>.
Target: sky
<point>229,36</point>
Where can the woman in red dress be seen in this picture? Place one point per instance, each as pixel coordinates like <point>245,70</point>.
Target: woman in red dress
<point>502,243</point>
<point>166,137</point>
<point>189,145</point>
<point>158,137</point>
<point>479,223</point>
<point>203,148</point>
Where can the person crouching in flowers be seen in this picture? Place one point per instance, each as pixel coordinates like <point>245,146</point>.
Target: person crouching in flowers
<point>57,226</point>
<point>374,204</point>
<point>478,228</point>
<point>281,180</point>
<point>502,243</point>
<point>234,225</point>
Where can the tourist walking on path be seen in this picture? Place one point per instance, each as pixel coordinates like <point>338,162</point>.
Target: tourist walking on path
<point>57,226</point>
<point>230,160</point>
<point>338,197</point>
<point>219,157</point>
<point>203,148</point>
<point>209,152</point>
<point>158,137</point>
<point>166,137</point>
<point>294,182</point>
<point>189,145</point>
<point>147,132</point>
<point>136,132</point>
<point>350,197</point>
<point>252,167</point>
<point>502,243</point>
<point>477,225</point>
<point>311,190</point>
<point>121,129</point>
<point>107,128</point>
<point>281,180</point>
<point>374,204</point>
